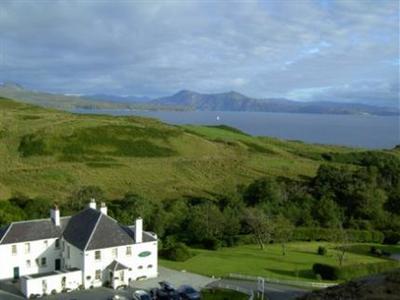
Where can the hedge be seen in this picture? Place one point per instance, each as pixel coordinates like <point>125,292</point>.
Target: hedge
<point>325,234</point>
<point>329,272</point>
<point>176,252</point>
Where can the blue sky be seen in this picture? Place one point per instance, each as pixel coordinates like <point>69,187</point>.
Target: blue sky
<point>304,50</point>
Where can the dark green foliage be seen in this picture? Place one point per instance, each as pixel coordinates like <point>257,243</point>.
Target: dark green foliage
<point>328,272</point>
<point>176,252</point>
<point>391,237</point>
<point>32,144</point>
<point>322,250</point>
<point>81,197</point>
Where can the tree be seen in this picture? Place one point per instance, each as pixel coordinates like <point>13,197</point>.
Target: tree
<point>81,197</point>
<point>283,230</point>
<point>341,238</point>
<point>266,192</point>
<point>327,212</point>
<point>259,225</point>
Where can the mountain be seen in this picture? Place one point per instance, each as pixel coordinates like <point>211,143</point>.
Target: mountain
<point>116,98</point>
<point>233,101</point>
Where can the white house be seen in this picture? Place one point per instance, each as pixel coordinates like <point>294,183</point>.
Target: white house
<point>89,249</point>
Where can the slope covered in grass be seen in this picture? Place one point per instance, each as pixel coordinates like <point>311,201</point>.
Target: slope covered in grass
<point>50,153</point>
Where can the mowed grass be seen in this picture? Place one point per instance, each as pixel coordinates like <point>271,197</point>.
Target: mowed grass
<point>250,260</point>
<point>50,153</point>
<point>220,294</point>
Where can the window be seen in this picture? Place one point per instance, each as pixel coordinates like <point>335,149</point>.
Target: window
<point>149,266</point>
<point>43,261</point>
<point>27,248</point>
<point>46,244</point>
<point>68,252</point>
<point>115,252</point>
<point>97,255</point>
<point>98,275</point>
<point>28,263</point>
<point>128,251</point>
<point>140,267</point>
<point>57,243</point>
<point>14,249</point>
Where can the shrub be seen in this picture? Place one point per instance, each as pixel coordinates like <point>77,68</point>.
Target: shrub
<point>325,234</point>
<point>176,252</point>
<point>328,272</point>
<point>211,243</point>
<point>391,237</point>
<point>322,250</point>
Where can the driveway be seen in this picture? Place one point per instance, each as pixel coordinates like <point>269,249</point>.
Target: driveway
<point>177,278</point>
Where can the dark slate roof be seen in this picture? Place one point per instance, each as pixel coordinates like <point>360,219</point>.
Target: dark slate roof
<point>90,229</point>
<point>80,227</point>
<point>108,233</point>
<point>147,236</point>
<point>116,266</point>
<point>26,231</point>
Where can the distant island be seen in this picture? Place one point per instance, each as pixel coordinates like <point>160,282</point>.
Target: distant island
<point>186,100</point>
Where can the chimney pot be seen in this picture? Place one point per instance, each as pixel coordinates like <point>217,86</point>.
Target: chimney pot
<point>92,203</point>
<point>55,215</point>
<point>139,230</point>
<point>103,208</point>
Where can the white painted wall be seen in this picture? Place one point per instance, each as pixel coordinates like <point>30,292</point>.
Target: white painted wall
<point>134,261</point>
<point>38,250</point>
<point>53,282</point>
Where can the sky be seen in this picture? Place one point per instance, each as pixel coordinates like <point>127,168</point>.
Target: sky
<point>319,50</point>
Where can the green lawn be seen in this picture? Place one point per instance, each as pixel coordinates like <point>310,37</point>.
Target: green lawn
<point>250,260</point>
<point>219,294</point>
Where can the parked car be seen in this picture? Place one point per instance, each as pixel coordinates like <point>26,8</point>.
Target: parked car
<point>141,295</point>
<point>165,292</point>
<point>186,292</point>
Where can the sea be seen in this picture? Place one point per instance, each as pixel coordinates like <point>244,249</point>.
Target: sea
<point>366,131</point>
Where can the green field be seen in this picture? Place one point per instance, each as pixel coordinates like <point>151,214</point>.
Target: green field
<point>219,294</point>
<point>50,153</point>
<point>250,260</point>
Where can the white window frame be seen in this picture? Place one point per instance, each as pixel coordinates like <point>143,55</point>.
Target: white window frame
<point>115,252</point>
<point>97,257</point>
<point>14,250</point>
<point>97,274</point>
<point>27,248</point>
<point>128,251</point>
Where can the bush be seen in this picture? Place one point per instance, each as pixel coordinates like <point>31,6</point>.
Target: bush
<point>391,237</point>
<point>322,250</point>
<point>328,272</point>
<point>176,252</point>
<point>211,243</point>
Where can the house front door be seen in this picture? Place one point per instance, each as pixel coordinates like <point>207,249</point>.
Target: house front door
<point>16,272</point>
<point>58,264</point>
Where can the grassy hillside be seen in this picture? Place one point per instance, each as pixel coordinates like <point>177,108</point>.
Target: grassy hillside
<point>50,153</point>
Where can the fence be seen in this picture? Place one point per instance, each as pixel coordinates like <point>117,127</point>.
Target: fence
<point>300,283</point>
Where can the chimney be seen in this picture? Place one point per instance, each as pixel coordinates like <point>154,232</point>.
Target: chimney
<point>92,203</point>
<point>139,230</point>
<point>103,208</point>
<point>55,215</point>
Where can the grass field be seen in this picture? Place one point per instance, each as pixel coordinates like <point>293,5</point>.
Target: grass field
<point>50,153</point>
<point>250,260</point>
<point>219,294</point>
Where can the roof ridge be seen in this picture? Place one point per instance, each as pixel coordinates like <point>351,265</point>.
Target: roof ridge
<point>36,220</point>
<point>94,229</point>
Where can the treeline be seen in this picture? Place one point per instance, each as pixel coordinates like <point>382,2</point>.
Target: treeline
<point>361,197</point>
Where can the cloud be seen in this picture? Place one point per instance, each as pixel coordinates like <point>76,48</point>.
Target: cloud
<point>261,48</point>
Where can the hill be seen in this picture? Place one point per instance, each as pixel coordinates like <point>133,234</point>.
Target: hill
<point>50,153</point>
<point>234,101</point>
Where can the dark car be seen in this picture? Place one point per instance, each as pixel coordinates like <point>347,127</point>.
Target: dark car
<point>165,292</point>
<point>186,292</point>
